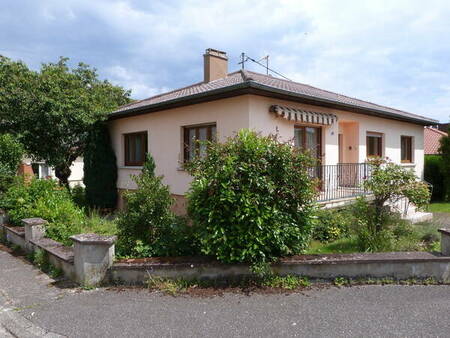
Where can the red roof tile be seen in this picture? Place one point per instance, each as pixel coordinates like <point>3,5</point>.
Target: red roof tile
<point>269,83</point>
<point>432,137</point>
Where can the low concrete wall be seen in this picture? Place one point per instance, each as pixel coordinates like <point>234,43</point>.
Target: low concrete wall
<point>398,265</point>
<point>91,262</point>
<point>15,235</point>
<point>60,256</point>
<point>87,262</point>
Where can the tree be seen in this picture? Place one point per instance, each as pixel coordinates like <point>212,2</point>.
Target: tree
<point>445,151</point>
<point>52,110</point>
<point>11,153</point>
<point>391,182</point>
<point>100,169</point>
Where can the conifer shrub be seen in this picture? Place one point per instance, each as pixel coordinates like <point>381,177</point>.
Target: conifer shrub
<point>148,227</point>
<point>100,169</point>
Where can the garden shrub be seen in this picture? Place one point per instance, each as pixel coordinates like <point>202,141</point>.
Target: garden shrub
<point>46,199</point>
<point>252,199</point>
<point>331,224</point>
<point>100,169</point>
<point>11,154</point>
<point>434,174</point>
<point>445,151</point>
<point>397,234</point>
<point>390,182</point>
<point>148,227</point>
<point>79,196</point>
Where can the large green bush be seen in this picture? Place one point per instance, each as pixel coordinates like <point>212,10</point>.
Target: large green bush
<point>434,174</point>
<point>11,154</point>
<point>148,227</point>
<point>100,169</point>
<point>252,199</point>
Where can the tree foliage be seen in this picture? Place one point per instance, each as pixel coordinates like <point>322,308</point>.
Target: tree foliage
<point>11,154</point>
<point>445,151</point>
<point>52,110</point>
<point>252,199</point>
<point>100,169</point>
<point>435,174</point>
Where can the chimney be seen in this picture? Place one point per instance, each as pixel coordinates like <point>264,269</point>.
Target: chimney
<point>215,64</point>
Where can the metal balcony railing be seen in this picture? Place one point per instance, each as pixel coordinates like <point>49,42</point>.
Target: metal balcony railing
<point>343,180</point>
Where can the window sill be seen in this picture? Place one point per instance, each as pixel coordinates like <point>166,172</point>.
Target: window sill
<point>139,167</point>
<point>407,164</point>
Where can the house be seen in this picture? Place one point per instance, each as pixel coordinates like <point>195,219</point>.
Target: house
<point>341,131</point>
<point>42,170</point>
<point>432,140</point>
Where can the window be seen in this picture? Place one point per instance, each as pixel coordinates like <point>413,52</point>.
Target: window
<point>192,148</point>
<point>406,149</point>
<point>309,138</point>
<point>135,148</point>
<point>374,145</point>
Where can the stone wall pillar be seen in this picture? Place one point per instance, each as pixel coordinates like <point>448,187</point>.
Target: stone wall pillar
<point>93,255</point>
<point>34,230</point>
<point>3,217</point>
<point>445,241</point>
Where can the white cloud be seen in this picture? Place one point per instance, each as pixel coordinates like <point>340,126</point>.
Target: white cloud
<point>390,52</point>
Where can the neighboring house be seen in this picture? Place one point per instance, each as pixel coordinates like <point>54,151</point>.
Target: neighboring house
<point>42,170</point>
<point>443,127</point>
<point>432,140</point>
<point>341,132</point>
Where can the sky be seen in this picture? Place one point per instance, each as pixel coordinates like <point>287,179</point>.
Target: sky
<point>395,53</point>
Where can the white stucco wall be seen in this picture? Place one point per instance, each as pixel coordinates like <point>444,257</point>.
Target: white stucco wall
<point>75,178</point>
<point>250,111</point>
<point>354,134</point>
<point>165,141</point>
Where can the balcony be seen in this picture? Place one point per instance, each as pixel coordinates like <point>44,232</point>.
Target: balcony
<point>340,181</point>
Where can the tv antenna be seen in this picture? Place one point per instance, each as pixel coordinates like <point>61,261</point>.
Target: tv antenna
<point>245,58</point>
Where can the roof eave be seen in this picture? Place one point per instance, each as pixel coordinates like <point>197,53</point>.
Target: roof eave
<point>249,87</point>
<point>367,111</point>
<point>229,91</point>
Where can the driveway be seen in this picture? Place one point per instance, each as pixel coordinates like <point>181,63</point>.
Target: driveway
<point>31,305</point>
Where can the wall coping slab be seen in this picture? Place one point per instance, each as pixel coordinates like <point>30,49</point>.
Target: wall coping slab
<point>55,248</point>
<point>93,239</point>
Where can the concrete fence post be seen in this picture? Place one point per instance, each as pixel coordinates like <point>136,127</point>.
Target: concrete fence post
<point>3,217</point>
<point>34,230</point>
<point>445,241</point>
<point>93,256</point>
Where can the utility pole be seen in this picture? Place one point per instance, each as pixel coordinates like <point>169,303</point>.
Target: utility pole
<point>243,59</point>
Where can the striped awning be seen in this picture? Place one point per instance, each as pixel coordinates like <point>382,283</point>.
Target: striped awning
<point>302,115</point>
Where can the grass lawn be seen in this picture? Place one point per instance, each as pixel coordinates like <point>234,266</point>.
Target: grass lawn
<point>99,225</point>
<point>343,245</point>
<point>439,207</point>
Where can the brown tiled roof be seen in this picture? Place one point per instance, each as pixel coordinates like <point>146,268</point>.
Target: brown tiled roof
<point>247,79</point>
<point>432,137</point>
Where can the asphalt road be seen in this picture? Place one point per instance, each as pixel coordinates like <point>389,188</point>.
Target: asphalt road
<point>29,302</point>
<point>369,311</point>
